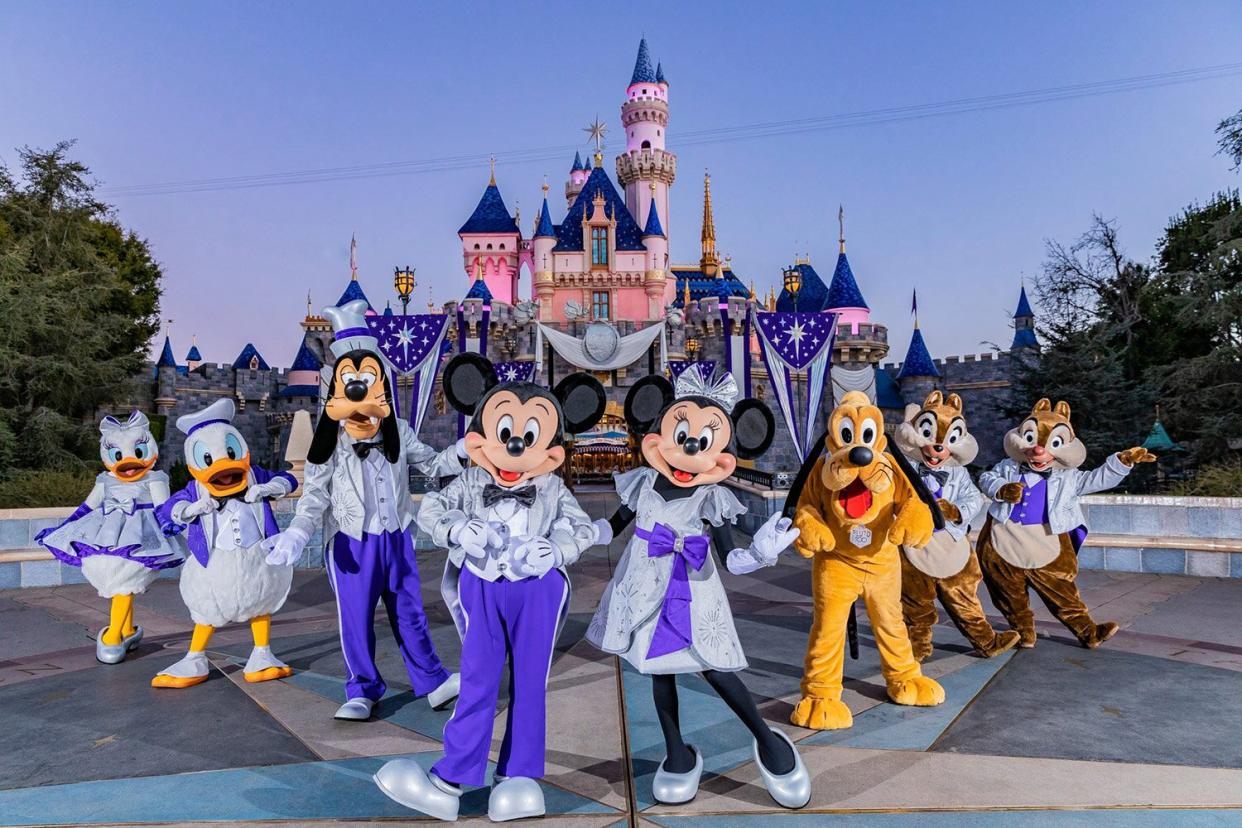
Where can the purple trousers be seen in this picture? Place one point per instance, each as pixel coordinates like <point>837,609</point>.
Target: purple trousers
<point>512,621</point>
<point>362,572</point>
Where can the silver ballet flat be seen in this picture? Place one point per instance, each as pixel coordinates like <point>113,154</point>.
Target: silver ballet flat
<point>670,788</point>
<point>404,781</point>
<point>443,695</point>
<point>790,790</point>
<point>355,710</point>
<point>130,642</point>
<point>516,797</point>
<point>108,653</point>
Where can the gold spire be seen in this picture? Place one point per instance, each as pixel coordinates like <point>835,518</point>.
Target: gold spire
<point>709,262</point>
<point>308,304</point>
<point>685,295</point>
<point>491,182</point>
<point>752,290</point>
<point>478,269</point>
<point>841,225</point>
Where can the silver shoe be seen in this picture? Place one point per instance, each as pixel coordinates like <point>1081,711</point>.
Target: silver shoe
<point>790,790</point>
<point>108,653</point>
<point>131,642</point>
<point>677,788</point>
<point>404,781</point>
<point>517,797</point>
<point>443,695</point>
<point>355,710</point>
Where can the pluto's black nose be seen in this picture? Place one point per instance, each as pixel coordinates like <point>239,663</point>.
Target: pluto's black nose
<point>860,456</point>
<point>515,446</point>
<point>355,391</point>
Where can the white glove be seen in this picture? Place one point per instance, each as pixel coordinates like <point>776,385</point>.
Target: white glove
<point>273,489</point>
<point>188,511</point>
<point>603,532</point>
<point>461,449</point>
<point>475,535</point>
<point>285,549</point>
<point>773,537</point>
<point>534,558</point>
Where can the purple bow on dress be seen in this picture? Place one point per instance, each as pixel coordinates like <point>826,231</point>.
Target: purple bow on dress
<point>673,629</point>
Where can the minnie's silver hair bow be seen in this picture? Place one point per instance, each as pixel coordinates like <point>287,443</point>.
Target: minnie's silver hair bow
<point>692,383</point>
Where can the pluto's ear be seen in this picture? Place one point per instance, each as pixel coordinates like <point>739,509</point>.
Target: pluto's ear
<point>644,402</point>
<point>1043,405</point>
<point>467,378</point>
<point>582,401</point>
<point>753,428</point>
<point>1063,409</point>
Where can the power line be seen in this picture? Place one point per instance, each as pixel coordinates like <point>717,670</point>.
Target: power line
<point>741,132</point>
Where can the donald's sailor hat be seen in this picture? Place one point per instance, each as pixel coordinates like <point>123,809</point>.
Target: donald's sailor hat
<point>220,411</point>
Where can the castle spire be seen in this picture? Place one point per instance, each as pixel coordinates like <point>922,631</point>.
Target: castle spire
<point>491,181</point>
<point>709,261</point>
<point>841,225</point>
<point>643,73</point>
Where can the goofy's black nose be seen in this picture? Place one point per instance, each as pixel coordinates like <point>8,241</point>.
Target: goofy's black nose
<point>355,391</point>
<point>691,446</point>
<point>860,456</point>
<point>515,446</point>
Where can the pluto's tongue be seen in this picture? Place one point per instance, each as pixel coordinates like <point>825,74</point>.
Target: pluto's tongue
<point>856,499</point>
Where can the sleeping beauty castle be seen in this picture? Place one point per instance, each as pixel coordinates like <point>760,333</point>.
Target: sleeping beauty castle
<point>589,285</point>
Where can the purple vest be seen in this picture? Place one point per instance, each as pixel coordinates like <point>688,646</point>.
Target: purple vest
<point>1032,509</point>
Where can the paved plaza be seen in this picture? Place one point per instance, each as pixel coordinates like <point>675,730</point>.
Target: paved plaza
<point>1145,731</point>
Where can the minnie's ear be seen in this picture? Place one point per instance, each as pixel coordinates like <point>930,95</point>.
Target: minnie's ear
<point>754,427</point>
<point>582,401</point>
<point>467,378</point>
<point>644,402</point>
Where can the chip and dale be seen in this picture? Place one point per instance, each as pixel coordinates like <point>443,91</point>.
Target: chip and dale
<point>866,517</point>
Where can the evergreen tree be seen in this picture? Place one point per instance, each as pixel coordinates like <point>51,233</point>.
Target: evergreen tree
<point>79,304</point>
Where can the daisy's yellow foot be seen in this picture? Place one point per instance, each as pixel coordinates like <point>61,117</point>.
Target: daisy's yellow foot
<point>268,674</point>
<point>919,691</point>
<point>822,714</point>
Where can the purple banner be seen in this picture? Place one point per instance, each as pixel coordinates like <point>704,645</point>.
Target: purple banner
<point>408,340</point>
<point>515,371</point>
<point>797,338</point>
<point>678,366</point>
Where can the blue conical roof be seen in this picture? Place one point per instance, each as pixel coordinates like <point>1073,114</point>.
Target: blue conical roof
<point>812,294</point>
<point>643,73</point>
<point>843,290</point>
<point>167,360</point>
<point>479,290</point>
<point>587,165</point>
<point>247,353</point>
<point>918,361</point>
<point>1024,306</point>
<point>653,228</point>
<point>660,73</point>
<point>305,359</point>
<point>193,355</point>
<point>569,231</point>
<point>544,227</point>
<point>1024,338</point>
<point>491,215</point>
<point>577,162</point>
<point>1159,441</point>
<point>353,291</point>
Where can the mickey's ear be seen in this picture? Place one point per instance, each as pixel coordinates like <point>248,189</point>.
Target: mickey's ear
<point>645,400</point>
<point>582,401</point>
<point>753,428</point>
<point>467,378</point>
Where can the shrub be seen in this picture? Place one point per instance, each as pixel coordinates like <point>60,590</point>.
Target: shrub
<point>1223,479</point>
<point>45,487</point>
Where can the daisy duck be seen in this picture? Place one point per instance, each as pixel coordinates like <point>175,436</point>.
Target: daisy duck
<point>114,536</point>
<point>357,480</point>
<point>225,514</point>
<point>665,610</point>
<point>511,527</point>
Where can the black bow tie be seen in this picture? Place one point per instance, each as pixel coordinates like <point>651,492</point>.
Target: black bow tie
<point>1026,469</point>
<point>363,449</point>
<point>493,494</point>
<point>941,475</point>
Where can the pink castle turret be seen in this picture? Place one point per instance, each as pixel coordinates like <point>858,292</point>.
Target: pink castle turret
<point>492,242</point>
<point>645,161</point>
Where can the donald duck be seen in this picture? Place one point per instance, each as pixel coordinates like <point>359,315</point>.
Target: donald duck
<point>226,515</point>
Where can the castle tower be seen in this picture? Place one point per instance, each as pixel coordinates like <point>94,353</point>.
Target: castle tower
<point>644,115</point>
<point>166,379</point>
<point>655,279</point>
<point>578,174</point>
<point>543,260</point>
<point>709,260</point>
<point>859,340</point>
<point>918,375</point>
<point>491,240</point>
<point>193,359</point>
<point>1023,324</point>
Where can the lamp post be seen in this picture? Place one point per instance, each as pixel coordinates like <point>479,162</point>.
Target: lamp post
<point>692,348</point>
<point>403,281</point>
<point>793,283</point>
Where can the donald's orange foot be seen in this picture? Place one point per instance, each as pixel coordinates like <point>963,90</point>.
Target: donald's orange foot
<point>269,674</point>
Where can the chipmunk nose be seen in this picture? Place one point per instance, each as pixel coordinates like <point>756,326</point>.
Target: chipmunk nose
<point>515,446</point>
<point>937,448</point>
<point>860,456</point>
<point>355,391</point>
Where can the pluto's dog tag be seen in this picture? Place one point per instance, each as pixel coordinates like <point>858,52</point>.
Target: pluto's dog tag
<point>860,536</point>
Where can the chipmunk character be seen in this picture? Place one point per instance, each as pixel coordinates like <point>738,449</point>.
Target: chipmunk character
<point>114,536</point>
<point>935,438</point>
<point>1035,524</point>
<point>856,509</point>
<point>226,514</point>
<point>357,476</point>
<point>511,527</point>
<point>665,610</point>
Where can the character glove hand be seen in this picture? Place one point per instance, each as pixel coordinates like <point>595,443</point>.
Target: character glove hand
<point>534,558</point>
<point>603,532</point>
<point>285,549</point>
<point>204,505</point>
<point>773,538</point>
<point>474,536</point>
<point>1133,456</point>
<point>1009,493</point>
<point>951,513</point>
<point>273,490</point>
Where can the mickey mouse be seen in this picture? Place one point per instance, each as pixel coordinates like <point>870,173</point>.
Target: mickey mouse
<point>511,526</point>
<point>665,610</point>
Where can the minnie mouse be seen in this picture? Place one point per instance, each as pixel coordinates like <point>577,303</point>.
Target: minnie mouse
<point>511,527</point>
<point>665,611</point>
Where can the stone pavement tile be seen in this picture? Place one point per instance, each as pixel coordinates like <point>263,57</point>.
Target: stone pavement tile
<point>398,708</point>
<point>1111,818</point>
<point>32,628</point>
<point>1207,609</point>
<point>110,723</point>
<point>308,716</point>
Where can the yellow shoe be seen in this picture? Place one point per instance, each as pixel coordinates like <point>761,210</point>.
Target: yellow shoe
<point>190,670</point>
<point>822,714</point>
<point>263,666</point>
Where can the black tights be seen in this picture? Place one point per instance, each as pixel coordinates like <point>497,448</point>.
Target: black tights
<point>775,754</point>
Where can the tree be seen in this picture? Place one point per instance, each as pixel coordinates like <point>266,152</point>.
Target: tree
<point>79,304</point>
<point>1229,133</point>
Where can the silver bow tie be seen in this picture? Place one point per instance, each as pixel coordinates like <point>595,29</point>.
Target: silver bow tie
<point>692,383</point>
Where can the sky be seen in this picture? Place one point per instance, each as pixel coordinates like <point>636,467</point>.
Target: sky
<point>958,206</point>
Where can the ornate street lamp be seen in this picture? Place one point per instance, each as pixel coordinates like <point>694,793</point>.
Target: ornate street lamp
<point>511,345</point>
<point>692,348</point>
<point>403,281</point>
<point>793,283</point>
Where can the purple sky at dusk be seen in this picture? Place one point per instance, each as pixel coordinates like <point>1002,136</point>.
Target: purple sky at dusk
<point>958,206</point>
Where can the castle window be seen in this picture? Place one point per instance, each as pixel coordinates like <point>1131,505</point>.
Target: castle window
<point>489,245</point>
<point>502,245</point>
<point>476,247</point>
<point>599,246</point>
<point>599,304</point>
<point>646,145</point>
<point>254,363</point>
